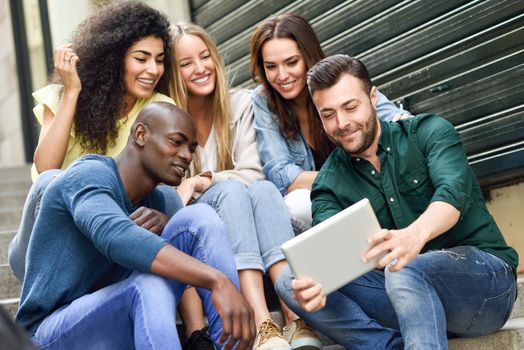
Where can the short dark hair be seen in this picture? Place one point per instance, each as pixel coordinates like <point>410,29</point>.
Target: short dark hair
<point>328,72</point>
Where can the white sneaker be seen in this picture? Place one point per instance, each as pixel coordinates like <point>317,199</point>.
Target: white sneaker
<point>301,336</point>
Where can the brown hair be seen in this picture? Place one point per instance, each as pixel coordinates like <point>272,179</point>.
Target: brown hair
<point>296,28</point>
<point>327,73</point>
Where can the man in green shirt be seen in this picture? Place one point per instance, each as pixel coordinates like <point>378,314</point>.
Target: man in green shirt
<point>443,267</point>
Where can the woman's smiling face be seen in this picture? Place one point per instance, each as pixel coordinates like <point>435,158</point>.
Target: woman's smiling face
<point>196,65</point>
<point>143,67</point>
<point>284,67</point>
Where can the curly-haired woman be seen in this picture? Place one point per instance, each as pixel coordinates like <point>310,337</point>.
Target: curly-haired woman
<point>119,60</point>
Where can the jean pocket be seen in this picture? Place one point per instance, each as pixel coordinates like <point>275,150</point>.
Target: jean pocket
<point>493,313</point>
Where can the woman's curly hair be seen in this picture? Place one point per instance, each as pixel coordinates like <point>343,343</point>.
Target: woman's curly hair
<point>101,42</point>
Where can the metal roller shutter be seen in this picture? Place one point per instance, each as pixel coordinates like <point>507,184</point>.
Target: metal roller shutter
<point>461,59</point>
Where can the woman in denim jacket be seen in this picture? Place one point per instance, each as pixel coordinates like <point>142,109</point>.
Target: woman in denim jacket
<point>291,140</point>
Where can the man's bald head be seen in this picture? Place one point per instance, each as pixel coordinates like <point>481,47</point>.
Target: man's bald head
<point>159,115</point>
<point>162,142</point>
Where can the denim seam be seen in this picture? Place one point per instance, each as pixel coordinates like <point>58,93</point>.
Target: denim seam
<point>477,315</point>
<point>192,232</point>
<point>242,264</point>
<point>349,302</point>
<point>144,329</point>
<point>433,307</point>
<point>271,257</point>
<point>213,203</point>
<point>366,284</point>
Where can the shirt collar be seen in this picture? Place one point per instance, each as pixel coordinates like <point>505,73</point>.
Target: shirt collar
<point>384,142</point>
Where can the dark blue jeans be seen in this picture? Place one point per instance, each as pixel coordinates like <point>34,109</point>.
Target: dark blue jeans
<point>140,311</point>
<point>461,292</point>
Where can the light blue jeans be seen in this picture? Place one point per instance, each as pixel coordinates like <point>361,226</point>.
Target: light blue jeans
<point>461,292</point>
<point>18,246</point>
<point>256,219</point>
<point>140,311</point>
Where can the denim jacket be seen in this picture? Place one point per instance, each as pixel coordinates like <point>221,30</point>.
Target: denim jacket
<point>284,159</point>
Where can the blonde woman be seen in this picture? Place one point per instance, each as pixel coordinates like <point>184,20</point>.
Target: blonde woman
<point>226,173</point>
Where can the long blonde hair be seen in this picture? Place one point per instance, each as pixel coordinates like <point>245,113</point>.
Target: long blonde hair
<point>220,99</point>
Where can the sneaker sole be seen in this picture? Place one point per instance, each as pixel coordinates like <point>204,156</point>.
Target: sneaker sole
<point>306,344</point>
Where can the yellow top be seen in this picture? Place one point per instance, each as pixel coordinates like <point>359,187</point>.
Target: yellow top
<point>50,95</point>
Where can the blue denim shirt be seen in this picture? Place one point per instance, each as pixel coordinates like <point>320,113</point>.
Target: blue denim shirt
<point>284,159</point>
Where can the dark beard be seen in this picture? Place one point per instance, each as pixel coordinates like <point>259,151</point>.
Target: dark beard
<point>371,129</point>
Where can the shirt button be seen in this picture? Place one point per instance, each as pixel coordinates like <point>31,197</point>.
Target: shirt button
<point>373,172</point>
<point>391,199</point>
<point>415,181</point>
<point>388,149</point>
<point>358,159</point>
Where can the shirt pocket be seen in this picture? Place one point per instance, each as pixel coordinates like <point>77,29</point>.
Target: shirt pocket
<point>378,203</point>
<point>417,188</point>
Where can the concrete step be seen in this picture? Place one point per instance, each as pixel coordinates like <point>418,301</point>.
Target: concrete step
<point>17,178</point>
<point>10,217</point>
<point>10,306</point>
<point>9,285</point>
<point>510,337</point>
<point>18,172</point>
<point>518,307</point>
<point>5,237</point>
<point>12,199</point>
<point>15,185</point>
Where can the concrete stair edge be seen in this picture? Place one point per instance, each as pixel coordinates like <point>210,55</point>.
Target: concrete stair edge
<point>5,239</point>
<point>510,337</point>
<point>9,286</point>
<point>10,217</point>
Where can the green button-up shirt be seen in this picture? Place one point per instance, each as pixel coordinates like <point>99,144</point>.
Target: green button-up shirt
<point>422,161</point>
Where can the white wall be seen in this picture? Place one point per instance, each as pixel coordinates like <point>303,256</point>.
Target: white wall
<point>64,16</point>
<point>11,140</point>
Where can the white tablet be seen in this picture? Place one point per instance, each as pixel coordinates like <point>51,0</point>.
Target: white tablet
<point>331,252</point>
